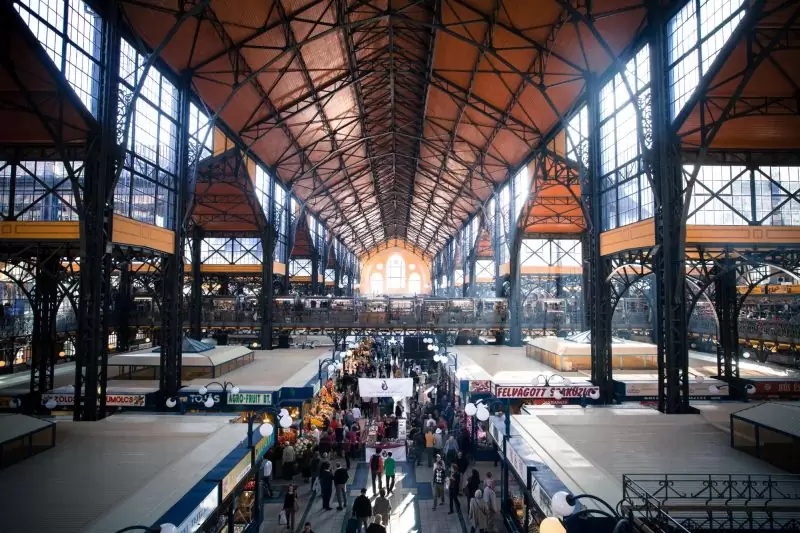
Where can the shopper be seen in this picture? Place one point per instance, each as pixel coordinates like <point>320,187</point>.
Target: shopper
<point>478,513</point>
<point>376,468</point>
<point>463,463</point>
<point>389,467</point>
<point>437,480</point>
<point>438,442</point>
<point>382,507</point>
<point>362,509</point>
<point>454,487</point>
<point>490,499</point>
<point>340,479</point>
<point>266,470</point>
<point>313,470</point>
<point>473,484</point>
<point>450,450</point>
<point>290,505</point>
<point>326,486</point>
<point>419,446</point>
<point>430,443</point>
<point>377,526</point>
<point>307,528</point>
<point>288,458</point>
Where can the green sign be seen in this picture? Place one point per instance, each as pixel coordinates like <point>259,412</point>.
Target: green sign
<point>250,398</point>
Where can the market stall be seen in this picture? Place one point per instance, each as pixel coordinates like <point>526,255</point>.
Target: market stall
<point>530,484</point>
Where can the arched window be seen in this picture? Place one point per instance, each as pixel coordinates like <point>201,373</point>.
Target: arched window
<point>396,272</point>
<point>414,283</point>
<point>376,283</point>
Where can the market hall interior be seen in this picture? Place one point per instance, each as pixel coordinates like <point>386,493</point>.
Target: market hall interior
<point>566,233</point>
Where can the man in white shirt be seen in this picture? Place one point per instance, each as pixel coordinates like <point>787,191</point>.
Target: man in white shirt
<point>356,413</point>
<point>316,434</point>
<point>267,471</point>
<point>430,423</point>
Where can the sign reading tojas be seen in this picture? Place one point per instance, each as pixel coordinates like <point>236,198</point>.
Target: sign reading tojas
<point>528,391</point>
<point>112,400</point>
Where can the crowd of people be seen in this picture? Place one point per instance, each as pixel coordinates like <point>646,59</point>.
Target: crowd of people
<point>438,434</point>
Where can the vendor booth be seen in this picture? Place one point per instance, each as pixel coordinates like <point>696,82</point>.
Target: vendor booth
<point>386,388</point>
<point>530,485</point>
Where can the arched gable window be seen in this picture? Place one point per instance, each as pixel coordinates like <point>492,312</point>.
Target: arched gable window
<point>396,272</point>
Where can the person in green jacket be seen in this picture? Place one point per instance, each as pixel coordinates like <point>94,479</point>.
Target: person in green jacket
<point>389,467</point>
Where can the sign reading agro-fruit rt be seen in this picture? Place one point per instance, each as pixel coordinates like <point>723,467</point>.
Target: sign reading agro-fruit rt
<point>522,391</point>
<point>250,398</point>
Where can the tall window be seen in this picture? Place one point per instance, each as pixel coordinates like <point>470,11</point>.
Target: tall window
<point>694,42</point>
<point>69,26</point>
<point>414,283</point>
<point>376,283</point>
<point>522,184</point>
<point>396,272</point>
<point>146,187</point>
<point>281,239</point>
<point>626,194</point>
<point>201,138</point>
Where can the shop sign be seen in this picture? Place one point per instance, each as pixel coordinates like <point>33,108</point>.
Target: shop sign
<point>516,461</point>
<point>777,388</point>
<point>197,401</point>
<point>402,430</point>
<point>540,497</point>
<point>480,385</point>
<point>237,474</point>
<point>263,445</point>
<point>250,398</point>
<point>522,391</point>
<point>7,402</point>
<point>112,400</point>
<point>201,512</point>
<point>650,389</point>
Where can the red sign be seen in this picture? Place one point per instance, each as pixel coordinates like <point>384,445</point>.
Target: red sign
<point>521,391</point>
<point>480,385</point>
<point>777,388</point>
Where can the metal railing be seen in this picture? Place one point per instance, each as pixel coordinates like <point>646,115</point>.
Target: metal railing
<point>714,502</point>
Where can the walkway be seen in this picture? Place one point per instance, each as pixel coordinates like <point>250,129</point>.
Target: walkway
<point>412,503</point>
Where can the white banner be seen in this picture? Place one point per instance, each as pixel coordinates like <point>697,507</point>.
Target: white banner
<point>112,400</point>
<point>385,388</point>
<point>398,453</point>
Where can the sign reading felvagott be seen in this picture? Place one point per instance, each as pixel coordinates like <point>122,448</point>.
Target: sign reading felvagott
<point>526,391</point>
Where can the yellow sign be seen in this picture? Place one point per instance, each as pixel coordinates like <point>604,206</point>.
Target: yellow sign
<point>237,474</point>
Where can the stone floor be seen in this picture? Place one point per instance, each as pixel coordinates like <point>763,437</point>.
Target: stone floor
<point>412,504</point>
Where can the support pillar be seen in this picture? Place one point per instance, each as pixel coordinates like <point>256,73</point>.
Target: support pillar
<point>91,354</point>
<point>196,303</point>
<point>726,303</point>
<point>669,259</point>
<point>172,286</point>
<point>596,267</point>
<point>45,308</point>
<point>515,297</point>
<point>123,308</point>
<point>497,248</point>
<point>314,272</point>
<point>267,246</point>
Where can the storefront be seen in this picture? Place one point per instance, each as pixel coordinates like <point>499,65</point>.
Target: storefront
<point>226,500</point>
<point>531,483</point>
<point>473,391</point>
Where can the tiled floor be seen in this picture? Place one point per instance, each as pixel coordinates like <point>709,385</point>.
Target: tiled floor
<point>412,504</point>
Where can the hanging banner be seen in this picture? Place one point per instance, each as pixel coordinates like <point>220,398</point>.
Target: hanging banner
<point>568,391</point>
<point>385,388</point>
